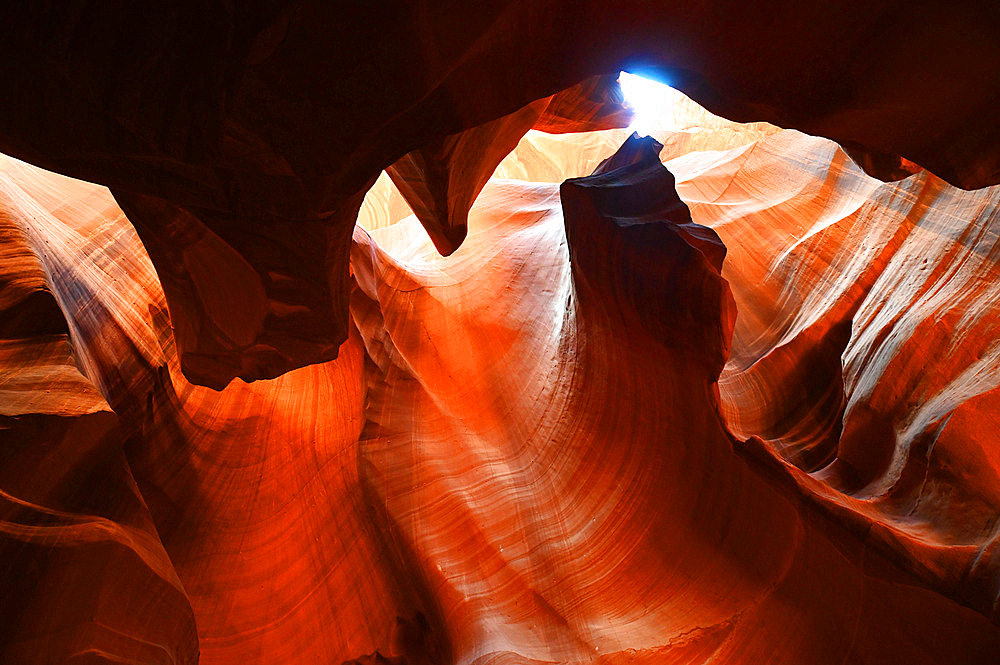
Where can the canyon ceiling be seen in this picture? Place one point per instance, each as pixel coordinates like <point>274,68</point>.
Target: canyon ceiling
<point>727,394</point>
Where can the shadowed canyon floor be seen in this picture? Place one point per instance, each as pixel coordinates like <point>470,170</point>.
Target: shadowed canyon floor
<point>741,409</point>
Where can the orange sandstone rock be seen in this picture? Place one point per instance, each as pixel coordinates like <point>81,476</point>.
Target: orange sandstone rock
<point>261,125</point>
<point>727,415</point>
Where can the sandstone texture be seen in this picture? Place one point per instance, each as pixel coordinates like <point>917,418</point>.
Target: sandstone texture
<point>372,334</point>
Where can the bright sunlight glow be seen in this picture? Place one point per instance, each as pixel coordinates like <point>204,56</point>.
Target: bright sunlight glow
<point>650,101</point>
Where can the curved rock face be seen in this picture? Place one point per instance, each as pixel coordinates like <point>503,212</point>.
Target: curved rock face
<point>605,466</point>
<point>741,409</point>
<point>257,503</point>
<point>262,124</point>
<point>525,452</point>
<point>441,181</point>
<point>84,575</point>
<point>868,328</point>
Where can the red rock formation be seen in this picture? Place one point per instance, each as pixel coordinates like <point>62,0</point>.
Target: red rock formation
<point>262,124</point>
<point>492,515</point>
<point>84,576</point>
<point>441,180</point>
<point>604,465</point>
<point>865,345</point>
<point>586,436</point>
<point>256,501</point>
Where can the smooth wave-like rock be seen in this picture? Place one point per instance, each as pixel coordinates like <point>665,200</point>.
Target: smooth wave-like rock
<point>441,180</point>
<point>249,298</point>
<point>814,245</point>
<point>263,124</point>
<point>84,577</point>
<point>865,350</point>
<point>253,490</point>
<point>721,413</point>
<point>657,543</point>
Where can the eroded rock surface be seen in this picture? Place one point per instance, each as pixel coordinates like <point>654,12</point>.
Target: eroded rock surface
<point>865,350</point>
<point>738,411</point>
<point>261,124</point>
<point>84,576</point>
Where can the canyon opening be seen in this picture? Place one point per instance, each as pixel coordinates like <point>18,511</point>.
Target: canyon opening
<point>433,333</point>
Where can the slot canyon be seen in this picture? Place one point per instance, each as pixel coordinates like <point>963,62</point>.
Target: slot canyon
<point>427,332</point>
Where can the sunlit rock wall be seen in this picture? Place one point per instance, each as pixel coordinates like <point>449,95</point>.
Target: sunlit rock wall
<point>737,411</point>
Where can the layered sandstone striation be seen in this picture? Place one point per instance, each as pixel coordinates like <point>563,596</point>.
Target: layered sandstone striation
<point>84,576</point>
<point>441,181</point>
<point>865,351</point>
<point>588,435</point>
<point>224,130</point>
<point>726,395</point>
